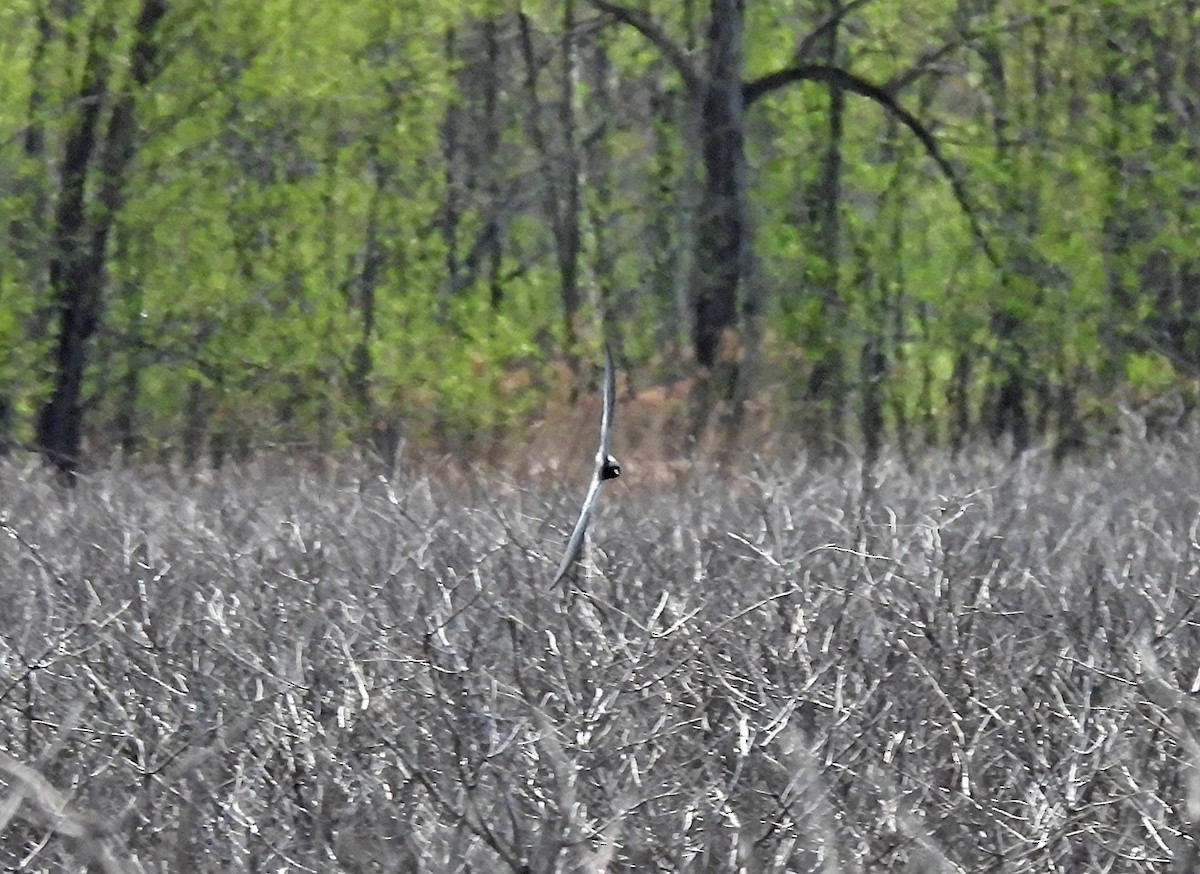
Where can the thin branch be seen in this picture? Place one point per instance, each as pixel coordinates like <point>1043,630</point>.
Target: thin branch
<point>847,81</point>
<point>647,27</point>
<point>931,56</point>
<point>821,30</point>
<point>925,62</point>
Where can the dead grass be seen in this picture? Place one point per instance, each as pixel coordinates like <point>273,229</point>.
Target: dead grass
<point>972,666</point>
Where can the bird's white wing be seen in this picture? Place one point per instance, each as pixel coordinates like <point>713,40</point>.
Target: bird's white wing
<point>575,542</point>
<point>606,417</point>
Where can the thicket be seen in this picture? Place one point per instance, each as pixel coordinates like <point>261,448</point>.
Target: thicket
<point>980,665</point>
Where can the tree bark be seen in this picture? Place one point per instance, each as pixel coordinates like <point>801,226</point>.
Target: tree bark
<point>721,248</point>
<point>73,280</point>
<point>827,387</point>
<point>80,241</point>
<point>492,157</point>
<point>722,244</point>
<point>1007,411</point>
<point>597,170</point>
<point>560,183</point>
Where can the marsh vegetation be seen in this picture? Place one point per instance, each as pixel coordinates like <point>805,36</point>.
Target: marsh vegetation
<point>970,665</point>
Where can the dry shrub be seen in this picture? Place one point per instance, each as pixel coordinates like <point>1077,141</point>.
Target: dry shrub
<point>973,665</point>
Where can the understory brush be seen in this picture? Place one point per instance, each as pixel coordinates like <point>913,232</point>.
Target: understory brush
<point>971,665</point>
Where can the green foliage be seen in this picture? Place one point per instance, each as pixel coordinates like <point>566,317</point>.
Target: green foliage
<point>1148,373</point>
<point>306,175</point>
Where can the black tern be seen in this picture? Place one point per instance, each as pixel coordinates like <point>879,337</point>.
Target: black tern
<point>606,468</point>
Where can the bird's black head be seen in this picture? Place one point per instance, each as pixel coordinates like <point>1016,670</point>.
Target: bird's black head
<point>610,469</point>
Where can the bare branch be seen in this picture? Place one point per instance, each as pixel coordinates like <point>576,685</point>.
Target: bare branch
<point>928,58</point>
<point>925,62</point>
<point>809,42</point>
<point>648,28</point>
<point>836,76</point>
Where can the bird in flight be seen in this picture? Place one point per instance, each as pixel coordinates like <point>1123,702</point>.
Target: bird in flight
<point>606,468</point>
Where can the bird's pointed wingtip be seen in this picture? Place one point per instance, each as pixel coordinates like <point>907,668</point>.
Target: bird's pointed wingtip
<point>606,468</point>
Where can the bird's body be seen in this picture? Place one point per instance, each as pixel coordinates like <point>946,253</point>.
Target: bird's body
<point>606,468</point>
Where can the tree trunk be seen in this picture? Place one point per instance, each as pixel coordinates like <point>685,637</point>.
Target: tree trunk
<point>1006,410</point>
<point>74,282</point>
<point>722,244</point>
<point>492,157</point>
<point>668,230</point>
<point>959,395</point>
<point>80,243</point>
<point>560,184</point>
<point>454,183</point>
<point>597,170</point>
<point>366,283</point>
<point>27,226</point>
<point>872,370</point>
<point>827,388</point>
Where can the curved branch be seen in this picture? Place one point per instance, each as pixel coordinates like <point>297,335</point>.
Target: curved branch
<point>823,29</point>
<point>847,81</point>
<point>646,26</point>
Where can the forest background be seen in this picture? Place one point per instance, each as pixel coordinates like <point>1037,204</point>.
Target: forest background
<point>233,225</point>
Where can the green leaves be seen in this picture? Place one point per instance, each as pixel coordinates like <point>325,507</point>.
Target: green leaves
<point>375,209</point>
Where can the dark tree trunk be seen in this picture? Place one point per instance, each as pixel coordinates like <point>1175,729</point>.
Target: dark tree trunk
<point>927,409</point>
<point>569,231</point>
<point>74,282</point>
<point>721,246</point>
<point>827,388</point>
<point>667,229</point>
<point>80,243</point>
<point>362,364</point>
<point>1007,411</point>
<point>195,423</point>
<point>959,398</point>
<point>560,184</point>
<point>873,368</point>
<point>597,169</point>
<point>454,182</point>
<point>27,226</point>
<point>125,429</point>
<point>492,158</point>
